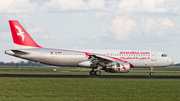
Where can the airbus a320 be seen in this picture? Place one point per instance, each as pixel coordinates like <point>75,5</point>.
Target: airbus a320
<point>110,60</point>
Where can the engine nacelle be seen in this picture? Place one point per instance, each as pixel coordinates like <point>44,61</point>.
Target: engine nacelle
<point>117,67</point>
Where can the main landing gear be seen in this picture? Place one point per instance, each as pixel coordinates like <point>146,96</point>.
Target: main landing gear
<point>151,71</point>
<point>97,72</point>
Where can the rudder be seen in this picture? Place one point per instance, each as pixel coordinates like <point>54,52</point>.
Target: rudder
<point>21,38</point>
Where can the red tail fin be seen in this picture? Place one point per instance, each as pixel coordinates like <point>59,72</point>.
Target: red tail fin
<point>20,37</point>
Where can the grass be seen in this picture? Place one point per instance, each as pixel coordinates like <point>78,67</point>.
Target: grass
<point>63,89</point>
<point>88,89</point>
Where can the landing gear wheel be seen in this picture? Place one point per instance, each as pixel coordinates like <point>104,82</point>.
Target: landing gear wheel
<point>92,72</point>
<point>98,73</point>
<point>151,73</point>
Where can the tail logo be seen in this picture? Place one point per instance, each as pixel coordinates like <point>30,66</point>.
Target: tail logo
<point>20,32</point>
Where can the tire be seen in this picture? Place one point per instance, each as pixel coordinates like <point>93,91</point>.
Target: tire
<point>151,73</point>
<point>92,72</point>
<point>98,73</point>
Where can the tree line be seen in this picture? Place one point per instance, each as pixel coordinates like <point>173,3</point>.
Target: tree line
<point>21,63</point>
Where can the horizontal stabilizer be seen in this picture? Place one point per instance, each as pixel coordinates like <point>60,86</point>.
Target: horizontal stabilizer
<point>19,52</point>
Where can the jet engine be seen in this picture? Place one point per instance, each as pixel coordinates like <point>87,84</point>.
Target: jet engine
<point>118,67</point>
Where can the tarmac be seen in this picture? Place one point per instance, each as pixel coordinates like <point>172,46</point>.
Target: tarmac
<point>89,76</point>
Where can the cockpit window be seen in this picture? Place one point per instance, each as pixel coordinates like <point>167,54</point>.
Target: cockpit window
<point>164,55</point>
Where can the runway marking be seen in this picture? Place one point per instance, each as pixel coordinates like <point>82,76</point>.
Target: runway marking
<point>89,76</point>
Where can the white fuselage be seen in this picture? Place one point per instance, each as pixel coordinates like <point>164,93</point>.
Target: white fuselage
<point>72,57</point>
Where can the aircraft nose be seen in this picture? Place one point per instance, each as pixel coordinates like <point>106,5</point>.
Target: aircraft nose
<point>172,62</point>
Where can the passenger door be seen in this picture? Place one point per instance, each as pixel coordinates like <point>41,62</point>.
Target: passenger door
<point>153,56</point>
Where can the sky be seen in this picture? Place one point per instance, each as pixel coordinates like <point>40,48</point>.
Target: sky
<point>94,24</point>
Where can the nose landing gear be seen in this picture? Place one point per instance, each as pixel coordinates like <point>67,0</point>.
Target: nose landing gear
<point>151,71</point>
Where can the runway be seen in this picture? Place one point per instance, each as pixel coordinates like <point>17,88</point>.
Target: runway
<point>89,76</point>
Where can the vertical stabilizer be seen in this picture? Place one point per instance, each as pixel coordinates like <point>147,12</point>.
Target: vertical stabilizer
<point>21,38</point>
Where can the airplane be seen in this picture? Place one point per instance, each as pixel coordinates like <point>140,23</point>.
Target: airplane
<point>110,60</point>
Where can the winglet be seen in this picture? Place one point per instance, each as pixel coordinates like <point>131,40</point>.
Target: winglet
<point>21,38</point>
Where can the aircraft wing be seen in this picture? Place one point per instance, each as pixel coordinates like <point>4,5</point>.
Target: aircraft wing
<point>106,59</point>
<point>101,58</point>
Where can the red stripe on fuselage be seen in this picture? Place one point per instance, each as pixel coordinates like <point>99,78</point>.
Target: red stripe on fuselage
<point>89,53</point>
